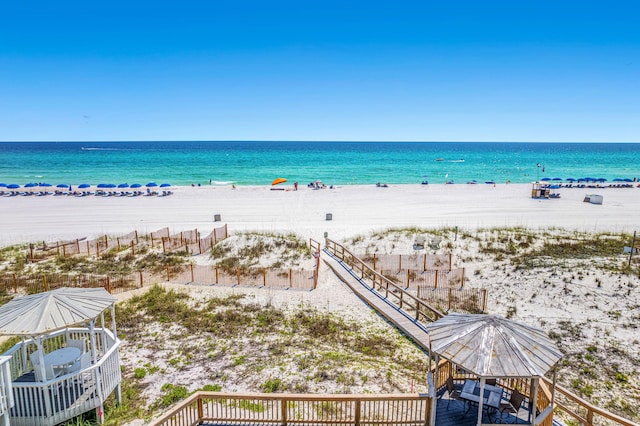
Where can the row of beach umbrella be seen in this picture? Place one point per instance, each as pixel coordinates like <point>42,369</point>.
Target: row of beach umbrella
<point>84,185</point>
<point>585,179</point>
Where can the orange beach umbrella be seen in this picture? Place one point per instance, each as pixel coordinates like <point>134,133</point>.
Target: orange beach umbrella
<point>278,180</point>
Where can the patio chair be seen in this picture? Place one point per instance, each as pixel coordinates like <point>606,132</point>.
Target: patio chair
<point>451,389</point>
<point>80,344</point>
<point>513,406</point>
<point>82,363</point>
<point>35,358</point>
<point>48,370</point>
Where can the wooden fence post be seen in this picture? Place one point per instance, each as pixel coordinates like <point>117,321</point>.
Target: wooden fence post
<point>108,284</point>
<point>437,272</point>
<point>163,250</point>
<point>216,275</point>
<point>15,283</point>
<point>374,261</point>
<point>424,262</point>
<point>136,235</point>
<point>226,235</point>
<point>191,267</point>
<point>290,277</point>
<point>357,413</point>
<point>264,278</point>
<point>238,275</point>
<point>449,261</point>
<point>78,245</point>
<point>484,300</point>
<point>168,277</point>
<point>450,289</point>
<point>462,279</point>
<point>44,282</point>
<point>399,262</point>
<point>88,249</point>
<point>106,242</point>
<point>133,248</point>
<point>408,280</point>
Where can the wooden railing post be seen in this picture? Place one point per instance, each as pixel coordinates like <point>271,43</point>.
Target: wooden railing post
<point>283,410</point>
<point>200,410</point>
<point>357,413</point>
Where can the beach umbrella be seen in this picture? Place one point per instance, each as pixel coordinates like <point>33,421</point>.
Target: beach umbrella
<point>62,185</point>
<point>165,185</point>
<point>570,179</point>
<point>151,184</point>
<point>13,186</point>
<point>556,178</point>
<point>135,185</point>
<point>84,186</point>
<point>30,185</point>
<point>545,179</point>
<point>3,185</point>
<point>123,185</point>
<point>627,180</point>
<point>110,185</point>
<point>490,182</point>
<point>601,180</point>
<point>278,181</point>
<point>44,184</point>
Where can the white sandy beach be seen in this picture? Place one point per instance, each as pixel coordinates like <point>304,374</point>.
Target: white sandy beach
<point>355,209</point>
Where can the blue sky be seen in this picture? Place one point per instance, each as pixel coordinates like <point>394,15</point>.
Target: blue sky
<point>320,70</point>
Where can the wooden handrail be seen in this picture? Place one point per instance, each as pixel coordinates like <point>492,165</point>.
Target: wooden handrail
<point>381,280</point>
<point>590,408</point>
<point>415,409</point>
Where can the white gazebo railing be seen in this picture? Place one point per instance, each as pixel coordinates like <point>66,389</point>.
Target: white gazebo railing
<point>56,400</point>
<point>6,397</point>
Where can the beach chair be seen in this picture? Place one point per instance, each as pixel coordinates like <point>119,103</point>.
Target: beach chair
<point>418,243</point>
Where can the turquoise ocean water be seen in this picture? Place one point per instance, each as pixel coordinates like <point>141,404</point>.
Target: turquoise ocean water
<point>338,163</point>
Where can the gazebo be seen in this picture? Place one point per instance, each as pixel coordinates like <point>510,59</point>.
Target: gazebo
<point>490,347</point>
<point>67,361</point>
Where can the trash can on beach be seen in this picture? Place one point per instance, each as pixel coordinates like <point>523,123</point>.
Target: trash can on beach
<point>329,216</point>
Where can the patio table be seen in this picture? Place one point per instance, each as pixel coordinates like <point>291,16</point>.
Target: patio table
<point>471,393</point>
<point>62,358</point>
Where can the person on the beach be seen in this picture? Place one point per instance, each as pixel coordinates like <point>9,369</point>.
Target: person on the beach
<point>295,186</point>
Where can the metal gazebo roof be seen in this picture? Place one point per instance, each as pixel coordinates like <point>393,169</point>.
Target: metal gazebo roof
<point>43,313</point>
<point>493,346</point>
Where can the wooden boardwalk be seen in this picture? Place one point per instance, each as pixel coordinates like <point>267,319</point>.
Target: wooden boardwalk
<point>407,325</point>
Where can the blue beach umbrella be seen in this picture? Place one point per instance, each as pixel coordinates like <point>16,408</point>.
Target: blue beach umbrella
<point>546,179</point>
<point>556,178</point>
<point>45,185</point>
<point>135,185</point>
<point>151,184</point>
<point>62,185</point>
<point>3,185</point>
<point>570,179</point>
<point>627,180</point>
<point>123,185</point>
<point>13,186</point>
<point>30,185</point>
<point>84,186</point>
<point>165,185</point>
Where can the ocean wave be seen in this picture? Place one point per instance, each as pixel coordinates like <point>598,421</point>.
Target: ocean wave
<point>222,182</point>
<point>99,149</point>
